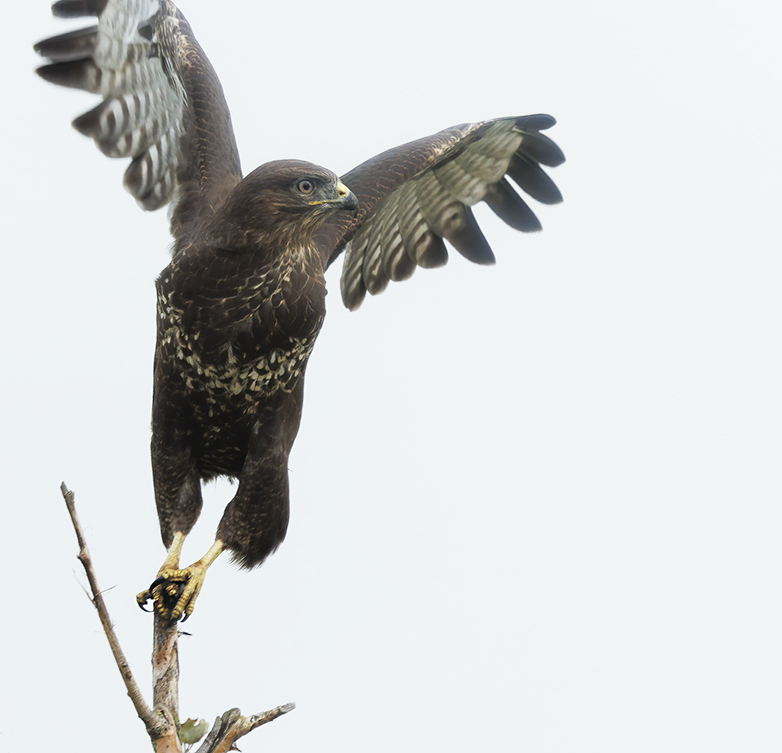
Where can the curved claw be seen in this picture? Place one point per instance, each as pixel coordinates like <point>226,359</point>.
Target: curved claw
<point>143,598</point>
<point>175,592</point>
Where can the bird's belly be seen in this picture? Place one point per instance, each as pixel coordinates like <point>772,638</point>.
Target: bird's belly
<point>220,448</point>
<point>226,400</point>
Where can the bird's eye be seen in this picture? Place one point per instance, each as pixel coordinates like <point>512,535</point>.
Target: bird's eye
<point>305,186</point>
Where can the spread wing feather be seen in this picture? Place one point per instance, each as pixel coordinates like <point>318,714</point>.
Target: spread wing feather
<point>156,84</point>
<point>414,197</point>
<point>163,107</point>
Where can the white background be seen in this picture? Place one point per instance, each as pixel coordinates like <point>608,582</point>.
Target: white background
<point>534,506</point>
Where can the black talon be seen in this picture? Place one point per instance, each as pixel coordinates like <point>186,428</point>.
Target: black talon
<point>142,604</point>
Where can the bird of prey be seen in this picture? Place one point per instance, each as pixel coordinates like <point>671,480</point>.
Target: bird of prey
<point>241,303</point>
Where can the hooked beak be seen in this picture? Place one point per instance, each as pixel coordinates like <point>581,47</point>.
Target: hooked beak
<point>342,198</point>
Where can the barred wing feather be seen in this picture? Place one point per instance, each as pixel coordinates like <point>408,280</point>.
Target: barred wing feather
<point>156,84</point>
<point>417,195</point>
<point>163,107</point>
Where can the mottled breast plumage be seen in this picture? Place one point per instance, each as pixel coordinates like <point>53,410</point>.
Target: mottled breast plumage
<point>234,331</point>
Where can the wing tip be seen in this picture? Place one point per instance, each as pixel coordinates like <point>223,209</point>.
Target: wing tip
<point>78,8</point>
<point>70,46</point>
<point>536,122</point>
<point>74,74</point>
<point>352,299</point>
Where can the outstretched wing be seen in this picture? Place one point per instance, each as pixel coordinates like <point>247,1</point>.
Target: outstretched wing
<point>414,196</point>
<point>162,106</point>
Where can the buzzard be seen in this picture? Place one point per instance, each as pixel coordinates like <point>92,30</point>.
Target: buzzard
<point>241,303</point>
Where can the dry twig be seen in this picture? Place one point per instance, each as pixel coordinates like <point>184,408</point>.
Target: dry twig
<point>162,721</point>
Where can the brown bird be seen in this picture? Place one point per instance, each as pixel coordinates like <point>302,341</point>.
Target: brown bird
<point>243,299</point>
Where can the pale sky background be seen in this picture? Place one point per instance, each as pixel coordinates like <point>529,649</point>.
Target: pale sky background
<point>535,507</point>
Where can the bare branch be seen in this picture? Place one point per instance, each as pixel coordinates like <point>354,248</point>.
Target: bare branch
<point>160,724</point>
<point>162,721</point>
<point>146,714</point>
<point>231,726</point>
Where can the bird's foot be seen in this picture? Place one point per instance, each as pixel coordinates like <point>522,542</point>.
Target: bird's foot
<point>174,592</point>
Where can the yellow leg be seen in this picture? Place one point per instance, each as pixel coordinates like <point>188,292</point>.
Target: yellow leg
<point>174,552</point>
<point>171,562</point>
<point>175,591</point>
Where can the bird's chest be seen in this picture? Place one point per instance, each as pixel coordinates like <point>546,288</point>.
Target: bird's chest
<point>240,334</point>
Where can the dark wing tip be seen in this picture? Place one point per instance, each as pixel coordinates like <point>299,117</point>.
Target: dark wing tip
<point>511,208</point>
<point>461,230</point>
<point>74,74</point>
<point>73,45</point>
<point>538,122</point>
<point>539,146</point>
<point>353,297</point>
<point>78,8</point>
<point>529,176</point>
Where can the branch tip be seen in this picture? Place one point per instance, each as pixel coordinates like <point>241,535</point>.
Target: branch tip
<point>144,712</point>
<point>160,720</point>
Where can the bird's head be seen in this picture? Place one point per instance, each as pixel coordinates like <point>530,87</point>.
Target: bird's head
<point>287,200</point>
